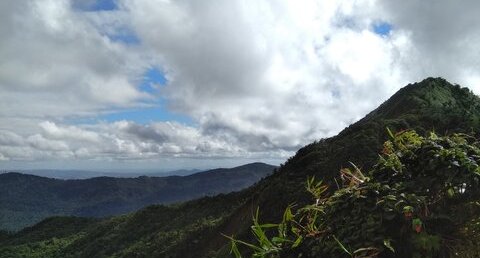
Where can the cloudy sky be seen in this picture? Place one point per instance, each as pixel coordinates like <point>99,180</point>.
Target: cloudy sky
<point>110,84</point>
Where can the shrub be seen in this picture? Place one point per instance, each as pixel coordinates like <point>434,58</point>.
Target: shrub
<point>412,203</point>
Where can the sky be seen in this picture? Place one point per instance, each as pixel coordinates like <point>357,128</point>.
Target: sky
<point>147,84</point>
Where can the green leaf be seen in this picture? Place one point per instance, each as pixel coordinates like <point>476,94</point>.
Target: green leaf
<point>288,215</point>
<point>387,243</point>
<point>268,225</point>
<point>234,250</point>
<point>254,247</point>
<point>450,192</point>
<point>341,245</point>
<point>364,249</point>
<point>297,242</point>
<point>390,133</point>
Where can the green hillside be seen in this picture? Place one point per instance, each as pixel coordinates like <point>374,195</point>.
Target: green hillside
<point>430,105</point>
<point>421,199</point>
<point>193,229</point>
<point>27,199</point>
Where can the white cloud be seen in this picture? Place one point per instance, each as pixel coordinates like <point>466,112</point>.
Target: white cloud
<point>258,78</point>
<point>37,141</point>
<point>3,158</point>
<point>70,132</point>
<point>56,63</point>
<point>125,140</point>
<point>8,138</point>
<point>271,71</point>
<point>442,34</point>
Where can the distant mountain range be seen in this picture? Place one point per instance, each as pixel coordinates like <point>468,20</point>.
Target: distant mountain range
<point>85,174</point>
<point>27,199</point>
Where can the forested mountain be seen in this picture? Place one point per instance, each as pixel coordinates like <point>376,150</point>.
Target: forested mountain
<point>27,199</point>
<point>195,228</point>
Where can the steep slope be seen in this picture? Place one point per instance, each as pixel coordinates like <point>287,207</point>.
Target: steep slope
<point>433,104</point>
<point>26,199</point>
<point>156,231</point>
<point>420,199</point>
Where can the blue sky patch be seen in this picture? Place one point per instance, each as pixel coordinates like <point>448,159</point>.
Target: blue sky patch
<point>382,28</point>
<point>152,77</point>
<point>157,113</point>
<point>95,6</point>
<point>147,115</point>
<point>125,38</point>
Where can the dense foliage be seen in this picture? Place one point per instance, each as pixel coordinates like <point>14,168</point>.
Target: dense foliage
<point>45,239</point>
<point>415,202</point>
<point>156,231</point>
<point>27,199</point>
<point>430,105</point>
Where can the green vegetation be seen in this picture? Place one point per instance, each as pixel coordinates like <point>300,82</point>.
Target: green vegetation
<point>27,199</point>
<point>156,231</point>
<point>40,249</point>
<point>174,231</point>
<point>45,239</point>
<point>430,105</point>
<point>413,203</point>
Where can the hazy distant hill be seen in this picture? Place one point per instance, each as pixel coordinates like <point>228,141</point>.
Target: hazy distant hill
<point>27,199</point>
<point>85,174</point>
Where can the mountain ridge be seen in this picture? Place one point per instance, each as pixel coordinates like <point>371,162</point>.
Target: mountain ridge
<point>359,143</point>
<point>432,104</point>
<point>86,174</point>
<point>29,198</point>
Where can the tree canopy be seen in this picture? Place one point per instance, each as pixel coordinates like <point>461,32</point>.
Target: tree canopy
<point>421,199</point>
